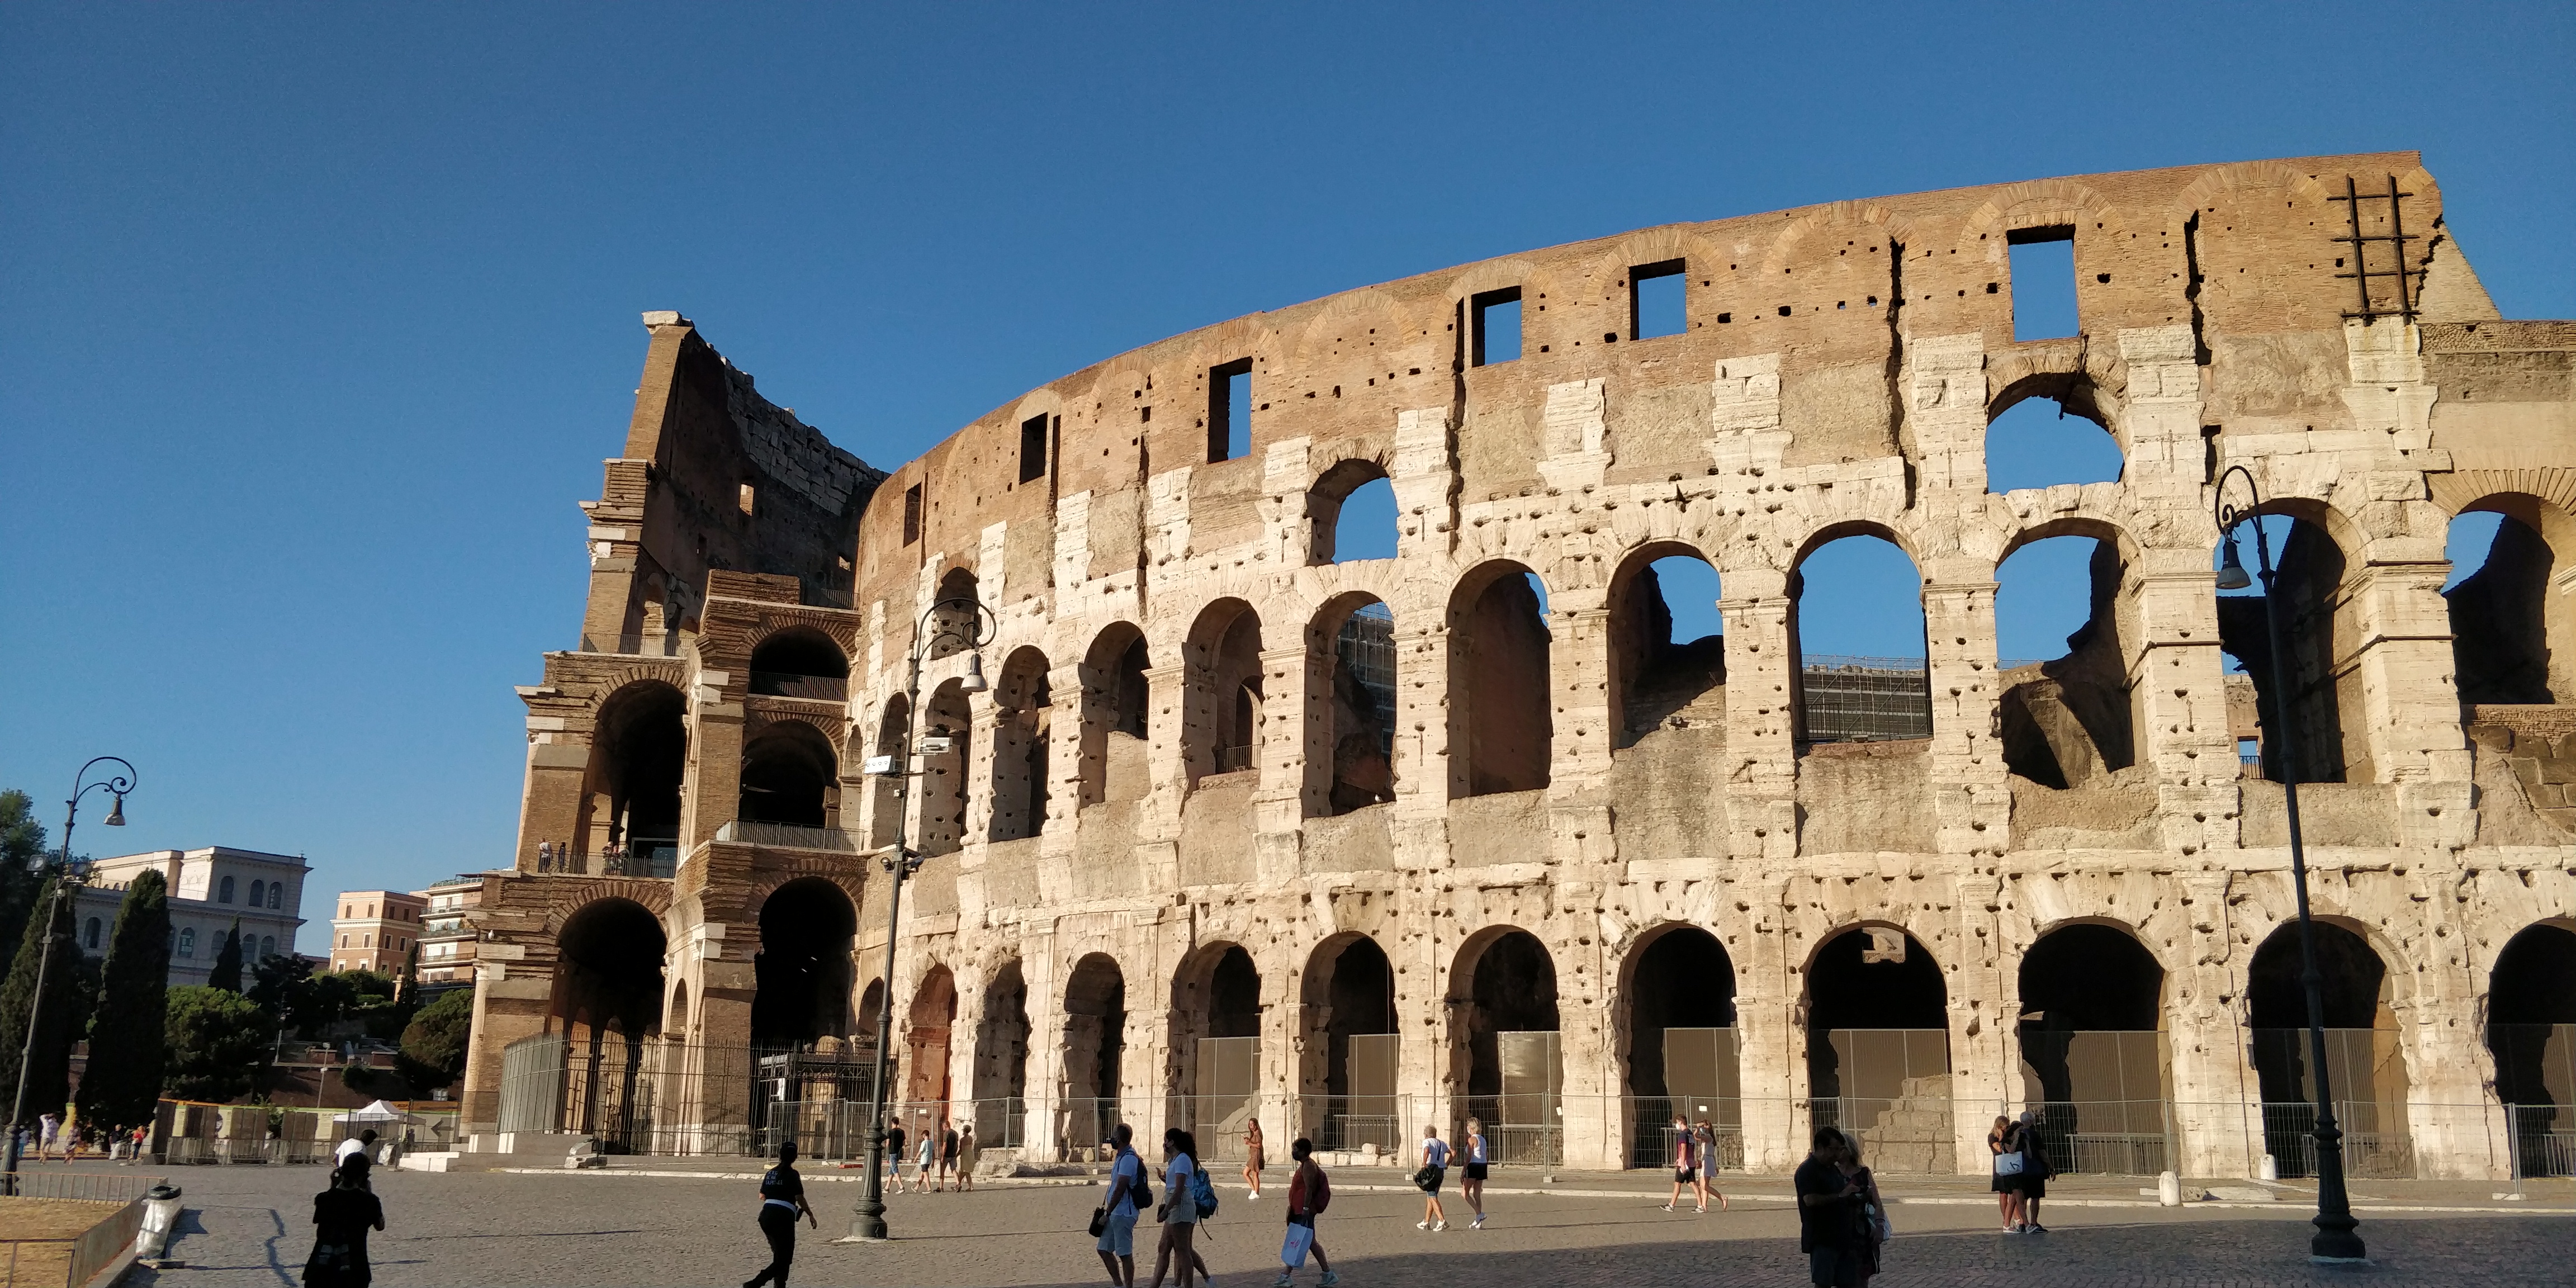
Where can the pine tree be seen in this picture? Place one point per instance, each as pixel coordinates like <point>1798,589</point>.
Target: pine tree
<point>49,1074</point>
<point>407,989</point>
<point>127,1045</point>
<point>22,852</point>
<point>226,974</point>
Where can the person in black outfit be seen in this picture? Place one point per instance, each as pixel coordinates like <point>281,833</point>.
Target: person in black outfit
<point>342,1215</point>
<point>894,1152</point>
<point>1828,1212</point>
<point>782,1197</point>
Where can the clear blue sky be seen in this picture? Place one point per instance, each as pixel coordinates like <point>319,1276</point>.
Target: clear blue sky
<point>319,319</point>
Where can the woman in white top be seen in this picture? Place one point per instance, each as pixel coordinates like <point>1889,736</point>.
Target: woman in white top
<point>1471,1177</point>
<point>1435,1165</point>
<point>1180,1212</point>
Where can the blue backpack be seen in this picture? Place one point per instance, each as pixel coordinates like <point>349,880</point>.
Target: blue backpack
<point>1201,1192</point>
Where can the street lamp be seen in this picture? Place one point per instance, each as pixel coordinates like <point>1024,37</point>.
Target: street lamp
<point>901,861</point>
<point>2337,1239</point>
<point>68,879</point>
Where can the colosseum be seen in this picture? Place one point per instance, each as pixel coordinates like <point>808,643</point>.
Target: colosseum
<point>1224,811</point>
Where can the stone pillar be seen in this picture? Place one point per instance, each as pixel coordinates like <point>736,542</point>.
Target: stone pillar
<point>1578,663</point>
<point>2451,1110</point>
<point>550,803</point>
<point>1761,728</point>
<point>1984,1012</point>
<point>1972,801</point>
<point>1590,1105</point>
<point>507,1007</point>
<point>1178,733</point>
<point>1770,1038</point>
<point>2212,1088</point>
<point>711,795</point>
<point>983,752</point>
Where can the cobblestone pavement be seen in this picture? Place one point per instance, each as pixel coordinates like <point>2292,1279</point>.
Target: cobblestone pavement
<point>250,1226</point>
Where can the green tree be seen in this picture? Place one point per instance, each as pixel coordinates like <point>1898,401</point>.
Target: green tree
<point>281,985</point>
<point>49,1074</point>
<point>128,1039</point>
<point>407,987</point>
<point>226,974</point>
<point>216,1042</point>
<point>22,852</point>
<point>434,1044</point>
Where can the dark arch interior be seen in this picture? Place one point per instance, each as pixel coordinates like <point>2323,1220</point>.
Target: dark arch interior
<point>612,967</point>
<point>2499,633</point>
<point>1665,660</point>
<point>2065,720</point>
<point>1514,991</point>
<point>1361,995</point>
<point>1501,664</point>
<point>803,970</point>
<point>1683,980</point>
<point>2091,997</point>
<point>2310,573</point>
<point>787,774</point>
<point>1877,1016</point>
<point>2366,1071</point>
<point>1095,1039</point>
<point>643,743</point>
<point>1234,996</point>
<point>1363,709</point>
<point>1002,1044</point>
<point>797,651</point>
<point>2354,980</point>
<point>2531,1020</point>
<point>955,621</point>
<point>1134,695</point>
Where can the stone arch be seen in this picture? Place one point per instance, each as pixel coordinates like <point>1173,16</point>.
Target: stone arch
<point>1878,1044</point>
<point>608,971</point>
<point>893,741</point>
<point>675,1015</point>
<point>2531,1033</point>
<point>1222,705</point>
<point>790,774</point>
<point>2325,698</point>
<point>638,759</point>
<point>1505,1060</point>
<point>802,970</point>
<point>2091,1030</point>
<point>1673,1018</point>
<point>1856,699</point>
<point>1215,1040</point>
<point>2365,1053</point>
<point>1020,739</point>
<point>2068,721</point>
<point>926,1030</point>
<point>1501,725</point>
<point>950,628</point>
<point>1117,709</point>
<point>1656,677</point>
<point>785,658</point>
<point>1001,1071</point>
<point>1354,632</point>
<point>1332,488</point>
<point>1348,1055</point>
<point>946,796</point>
<point>2513,637</point>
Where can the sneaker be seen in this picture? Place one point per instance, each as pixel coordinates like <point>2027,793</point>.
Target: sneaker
<point>1252,1197</point>
<point>2037,1228</point>
<point>1330,1278</point>
<point>1701,1210</point>
<point>1477,1224</point>
<point>1421,1225</point>
<point>1438,1226</point>
<point>1668,1207</point>
<point>1283,1281</point>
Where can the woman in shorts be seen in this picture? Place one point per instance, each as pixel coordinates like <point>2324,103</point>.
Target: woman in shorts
<point>1435,1166</point>
<point>1471,1175</point>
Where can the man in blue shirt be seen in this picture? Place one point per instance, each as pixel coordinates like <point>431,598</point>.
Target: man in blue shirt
<point>1118,1232</point>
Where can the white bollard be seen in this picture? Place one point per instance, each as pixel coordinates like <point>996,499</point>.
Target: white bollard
<point>2269,1171</point>
<point>2169,1189</point>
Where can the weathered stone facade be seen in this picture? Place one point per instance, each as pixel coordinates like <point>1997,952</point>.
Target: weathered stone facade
<point>1166,767</point>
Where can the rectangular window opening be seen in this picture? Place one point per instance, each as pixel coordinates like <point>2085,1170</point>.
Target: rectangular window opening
<point>1655,299</point>
<point>747,493</point>
<point>2043,282</point>
<point>1495,326</point>
<point>912,514</point>
<point>1230,410</point>
<point>1033,449</point>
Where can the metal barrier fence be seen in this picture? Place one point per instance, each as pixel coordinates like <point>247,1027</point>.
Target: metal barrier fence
<point>86,1187</point>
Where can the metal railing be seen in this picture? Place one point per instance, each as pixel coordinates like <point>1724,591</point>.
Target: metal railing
<point>2372,1148</point>
<point>2543,1140</point>
<point>85,1187</point>
<point>1231,759</point>
<point>650,858</point>
<point>789,836</point>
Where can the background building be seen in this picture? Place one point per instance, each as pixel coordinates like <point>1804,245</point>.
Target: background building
<point>375,929</point>
<point>211,890</point>
<point>446,944</point>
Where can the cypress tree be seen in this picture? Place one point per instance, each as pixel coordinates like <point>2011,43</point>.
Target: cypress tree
<point>226,974</point>
<point>407,988</point>
<point>49,1074</point>
<point>127,1043</point>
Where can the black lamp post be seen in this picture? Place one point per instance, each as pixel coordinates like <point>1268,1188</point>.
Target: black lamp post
<point>901,861</point>
<point>2337,1239</point>
<point>67,879</point>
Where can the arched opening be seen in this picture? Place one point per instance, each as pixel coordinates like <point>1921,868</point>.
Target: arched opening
<point>2092,1053</point>
<point>1360,717</point>
<point>2365,1066</point>
<point>2031,442</point>
<point>1095,1040</point>
<point>675,1017</point>
<point>607,1002</point>
<point>2322,629</point>
<point>789,775</point>
<point>1216,1035</point>
<point>871,1015</point>
<point>2531,1031</point>
<point>894,732</point>
<point>1116,702</point>
<point>925,1039</point>
<point>800,662</point>
<point>1352,512</point>
<point>1349,1073</point>
<point>258,894</point>
<point>1878,1047</point>
<point>2063,662</point>
<point>1856,622</point>
<point>2509,634</point>
<point>632,793</point>
<point>802,972</point>
<point>1667,646</point>
<point>954,620</point>
<point>1680,1054</point>
<point>1002,1059</point>
<point>1221,730</point>
<point>1503,1000</point>
<point>1500,721</point>
<point>1020,746</point>
<point>90,934</point>
<point>946,748</point>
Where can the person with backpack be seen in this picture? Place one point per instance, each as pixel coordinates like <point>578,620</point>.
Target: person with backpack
<point>1187,1197</point>
<point>1129,1192</point>
<point>1685,1165</point>
<point>1435,1165</point>
<point>1471,1173</point>
<point>1309,1193</point>
<point>342,1215</point>
<point>782,1199</point>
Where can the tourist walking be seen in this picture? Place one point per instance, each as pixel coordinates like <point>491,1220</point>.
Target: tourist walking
<point>1435,1166</point>
<point>1128,1195</point>
<point>947,1153</point>
<point>1471,1172</point>
<point>922,1161</point>
<point>342,1215</point>
<point>1309,1192</point>
<point>1252,1161</point>
<point>1828,1209</point>
<point>782,1200</point>
<point>1180,1210</point>
<point>894,1152</point>
<point>2007,1199</point>
<point>49,1129</point>
<point>1685,1165</point>
<point>1707,1138</point>
<point>2031,1185</point>
<point>966,1158</point>
<point>363,1148</point>
<point>1872,1235</point>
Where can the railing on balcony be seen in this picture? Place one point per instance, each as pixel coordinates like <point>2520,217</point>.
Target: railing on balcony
<point>656,644</point>
<point>789,836</point>
<point>818,688</point>
<point>1230,759</point>
<point>658,858</point>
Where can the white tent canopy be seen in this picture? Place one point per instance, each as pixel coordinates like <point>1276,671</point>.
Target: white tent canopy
<point>379,1112</point>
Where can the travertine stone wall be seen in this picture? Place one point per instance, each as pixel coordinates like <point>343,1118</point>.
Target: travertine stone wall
<point>1835,376</point>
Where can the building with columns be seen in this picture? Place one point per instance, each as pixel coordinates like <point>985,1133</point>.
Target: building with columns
<point>1197,847</point>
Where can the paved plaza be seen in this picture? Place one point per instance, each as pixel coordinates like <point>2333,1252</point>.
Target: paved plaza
<point>250,1226</point>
